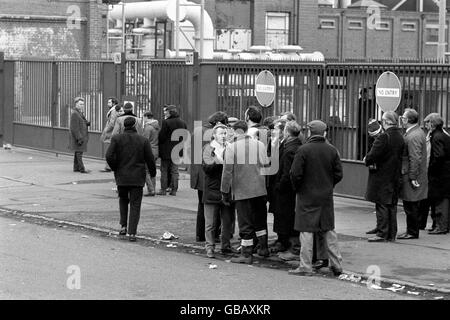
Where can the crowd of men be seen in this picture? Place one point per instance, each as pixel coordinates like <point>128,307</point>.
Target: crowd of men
<point>253,167</point>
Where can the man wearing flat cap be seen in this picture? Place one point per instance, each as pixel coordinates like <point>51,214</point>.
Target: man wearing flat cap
<point>315,171</point>
<point>128,155</point>
<point>383,184</point>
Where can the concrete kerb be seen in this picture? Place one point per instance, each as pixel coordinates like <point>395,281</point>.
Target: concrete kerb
<point>158,241</point>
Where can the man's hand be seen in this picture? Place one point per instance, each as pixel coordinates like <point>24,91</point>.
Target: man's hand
<point>80,142</point>
<point>226,199</point>
<point>415,184</point>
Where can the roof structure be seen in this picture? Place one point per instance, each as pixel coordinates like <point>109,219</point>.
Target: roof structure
<point>366,3</point>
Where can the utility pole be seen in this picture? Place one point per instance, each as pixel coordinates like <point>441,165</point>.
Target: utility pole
<point>177,29</point>
<point>441,37</point>
<point>202,24</point>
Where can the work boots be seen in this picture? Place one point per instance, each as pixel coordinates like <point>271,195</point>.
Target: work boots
<point>245,257</point>
<point>263,249</point>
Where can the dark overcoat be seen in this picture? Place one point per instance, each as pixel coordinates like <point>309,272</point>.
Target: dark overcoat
<point>384,182</point>
<point>284,215</point>
<point>78,131</point>
<point>439,167</point>
<point>165,134</point>
<point>127,156</point>
<point>315,171</point>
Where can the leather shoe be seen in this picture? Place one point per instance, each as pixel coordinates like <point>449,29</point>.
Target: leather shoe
<point>373,231</point>
<point>149,194</point>
<point>336,272</point>
<point>85,171</point>
<point>132,238</point>
<point>437,231</point>
<point>210,253</point>
<point>320,264</point>
<point>406,236</point>
<point>161,193</point>
<point>105,170</point>
<point>123,231</point>
<point>376,239</point>
<point>301,272</point>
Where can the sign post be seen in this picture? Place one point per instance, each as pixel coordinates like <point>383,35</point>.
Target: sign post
<point>388,91</point>
<point>265,88</point>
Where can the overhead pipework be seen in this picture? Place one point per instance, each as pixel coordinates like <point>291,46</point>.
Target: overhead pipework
<point>167,10</point>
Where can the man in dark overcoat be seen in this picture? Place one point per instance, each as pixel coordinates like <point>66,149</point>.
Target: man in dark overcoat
<point>170,123</point>
<point>284,217</point>
<point>439,172</point>
<point>414,172</point>
<point>315,171</point>
<point>127,156</point>
<point>78,135</point>
<point>384,182</point>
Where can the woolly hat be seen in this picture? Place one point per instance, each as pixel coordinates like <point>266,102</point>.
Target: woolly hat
<point>373,127</point>
<point>232,120</point>
<point>129,122</point>
<point>317,127</point>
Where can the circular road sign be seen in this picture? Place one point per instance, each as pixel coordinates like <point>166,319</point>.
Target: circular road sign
<point>265,88</point>
<point>388,91</point>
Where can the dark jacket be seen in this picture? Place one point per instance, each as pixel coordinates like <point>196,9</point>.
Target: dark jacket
<point>315,171</point>
<point>284,215</point>
<point>439,167</point>
<point>383,185</point>
<point>164,137</point>
<point>212,169</point>
<point>196,171</point>
<point>127,156</point>
<point>78,131</point>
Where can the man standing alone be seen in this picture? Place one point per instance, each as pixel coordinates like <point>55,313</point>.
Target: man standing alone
<point>414,172</point>
<point>315,171</point>
<point>170,123</point>
<point>127,156</point>
<point>79,135</point>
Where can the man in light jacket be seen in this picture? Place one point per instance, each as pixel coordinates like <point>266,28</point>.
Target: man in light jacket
<point>414,172</point>
<point>114,111</point>
<point>243,181</point>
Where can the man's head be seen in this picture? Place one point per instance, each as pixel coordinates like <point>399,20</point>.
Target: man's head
<point>220,133</point>
<point>292,129</point>
<point>129,123</point>
<point>128,108</point>
<point>112,101</point>
<point>288,116</point>
<point>389,119</point>
<point>239,127</point>
<point>410,117</point>
<point>316,128</point>
<point>148,115</point>
<point>253,114</point>
<point>169,111</point>
<point>79,104</point>
<point>278,127</point>
<point>217,117</point>
<point>433,121</point>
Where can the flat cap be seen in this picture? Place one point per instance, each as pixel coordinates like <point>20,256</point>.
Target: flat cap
<point>317,127</point>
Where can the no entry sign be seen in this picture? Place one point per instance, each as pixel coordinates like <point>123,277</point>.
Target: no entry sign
<point>388,91</point>
<point>265,88</point>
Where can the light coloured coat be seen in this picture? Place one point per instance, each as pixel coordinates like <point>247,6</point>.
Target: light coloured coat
<point>242,173</point>
<point>414,165</point>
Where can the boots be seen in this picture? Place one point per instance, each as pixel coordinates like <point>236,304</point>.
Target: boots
<point>245,257</point>
<point>263,249</point>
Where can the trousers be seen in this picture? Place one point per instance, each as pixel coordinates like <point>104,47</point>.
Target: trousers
<point>251,216</point>
<point>131,195</point>
<point>412,211</point>
<point>78,161</point>
<point>386,220</point>
<point>330,243</point>
<point>225,213</point>
<point>169,168</point>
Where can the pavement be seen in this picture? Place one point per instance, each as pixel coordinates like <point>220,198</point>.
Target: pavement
<point>41,185</point>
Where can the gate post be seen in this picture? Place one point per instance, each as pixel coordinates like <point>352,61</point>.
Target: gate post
<point>207,92</point>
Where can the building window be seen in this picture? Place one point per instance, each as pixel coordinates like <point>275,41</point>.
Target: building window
<point>277,29</point>
<point>327,24</point>
<point>408,26</point>
<point>432,33</point>
<point>355,24</point>
<point>383,25</point>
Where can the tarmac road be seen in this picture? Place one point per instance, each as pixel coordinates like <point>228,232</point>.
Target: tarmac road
<point>43,262</point>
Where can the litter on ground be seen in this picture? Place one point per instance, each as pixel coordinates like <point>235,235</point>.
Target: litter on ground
<point>168,236</point>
